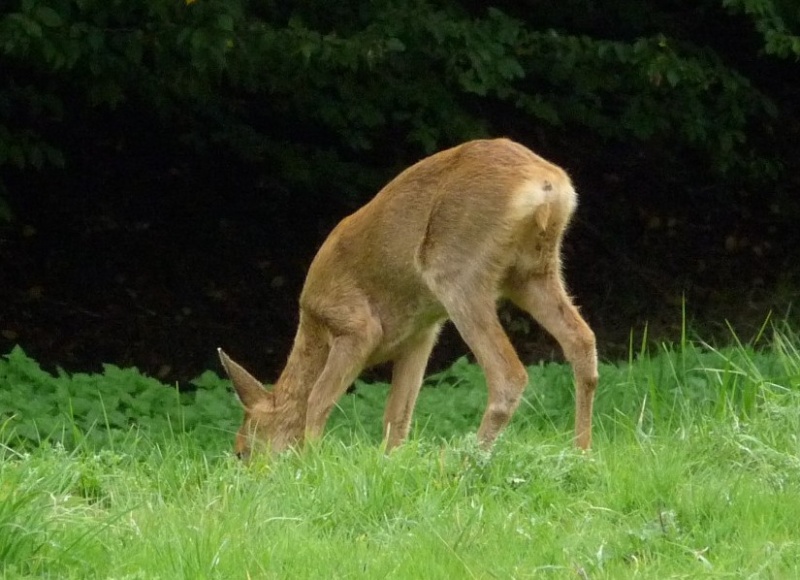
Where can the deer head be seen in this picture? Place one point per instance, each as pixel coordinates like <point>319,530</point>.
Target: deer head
<point>260,428</point>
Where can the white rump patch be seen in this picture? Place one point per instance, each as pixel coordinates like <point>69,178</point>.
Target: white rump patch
<point>531,196</point>
<point>542,197</point>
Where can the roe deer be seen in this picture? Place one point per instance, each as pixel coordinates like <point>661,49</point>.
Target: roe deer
<point>445,239</point>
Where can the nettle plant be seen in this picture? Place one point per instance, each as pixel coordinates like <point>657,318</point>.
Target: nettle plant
<point>37,407</point>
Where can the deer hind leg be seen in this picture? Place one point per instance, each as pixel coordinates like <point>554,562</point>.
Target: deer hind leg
<point>475,316</point>
<point>352,344</point>
<point>544,298</point>
<point>407,374</point>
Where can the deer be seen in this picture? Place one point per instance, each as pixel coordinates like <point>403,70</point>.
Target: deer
<point>446,239</point>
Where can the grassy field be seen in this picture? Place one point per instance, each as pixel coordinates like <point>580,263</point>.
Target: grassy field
<point>695,473</point>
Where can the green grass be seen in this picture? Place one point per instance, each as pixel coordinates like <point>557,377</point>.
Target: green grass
<point>695,473</point>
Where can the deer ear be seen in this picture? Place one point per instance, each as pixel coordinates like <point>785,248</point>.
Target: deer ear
<point>248,389</point>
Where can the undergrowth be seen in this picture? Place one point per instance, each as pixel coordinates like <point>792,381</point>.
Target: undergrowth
<point>695,472</point>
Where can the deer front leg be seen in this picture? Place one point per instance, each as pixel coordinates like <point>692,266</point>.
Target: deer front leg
<point>348,355</point>
<point>407,374</point>
<point>544,298</point>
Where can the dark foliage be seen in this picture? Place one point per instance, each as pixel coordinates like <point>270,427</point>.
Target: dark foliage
<point>167,169</point>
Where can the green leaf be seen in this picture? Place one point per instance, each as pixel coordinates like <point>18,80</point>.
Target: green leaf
<point>48,17</point>
<point>307,49</point>
<point>673,77</point>
<point>198,39</point>
<point>395,45</point>
<point>510,68</point>
<point>31,27</point>
<point>225,22</point>
<point>134,51</point>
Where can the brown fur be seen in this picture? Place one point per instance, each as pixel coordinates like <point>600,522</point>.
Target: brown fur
<point>445,239</point>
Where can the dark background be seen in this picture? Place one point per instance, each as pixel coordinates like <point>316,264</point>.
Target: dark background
<point>168,169</point>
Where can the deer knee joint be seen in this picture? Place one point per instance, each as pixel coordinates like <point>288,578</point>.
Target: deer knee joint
<point>589,384</point>
<point>506,393</point>
<point>517,379</point>
<point>585,342</point>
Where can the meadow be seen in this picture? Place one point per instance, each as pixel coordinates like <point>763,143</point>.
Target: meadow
<point>694,473</point>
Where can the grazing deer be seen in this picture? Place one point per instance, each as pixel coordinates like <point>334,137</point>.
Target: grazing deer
<point>445,239</point>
